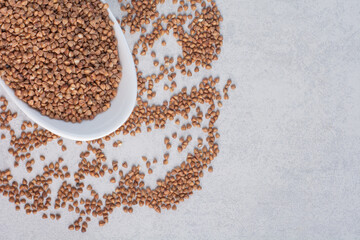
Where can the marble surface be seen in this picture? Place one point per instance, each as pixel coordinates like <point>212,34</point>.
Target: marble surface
<point>290,135</point>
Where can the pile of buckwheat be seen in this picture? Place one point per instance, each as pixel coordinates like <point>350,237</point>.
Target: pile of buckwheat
<point>192,107</point>
<point>60,56</point>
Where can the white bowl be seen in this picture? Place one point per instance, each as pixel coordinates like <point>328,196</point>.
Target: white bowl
<point>104,123</point>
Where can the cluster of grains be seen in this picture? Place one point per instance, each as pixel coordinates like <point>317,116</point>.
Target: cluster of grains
<point>197,106</point>
<point>200,45</point>
<point>184,143</point>
<point>5,116</point>
<point>140,12</point>
<point>33,195</point>
<point>22,146</point>
<point>60,57</point>
<point>204,42</point>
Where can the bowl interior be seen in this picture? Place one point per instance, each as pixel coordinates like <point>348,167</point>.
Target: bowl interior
<point>104,123</point>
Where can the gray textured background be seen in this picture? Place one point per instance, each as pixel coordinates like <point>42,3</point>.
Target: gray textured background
<point>290,135</point>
